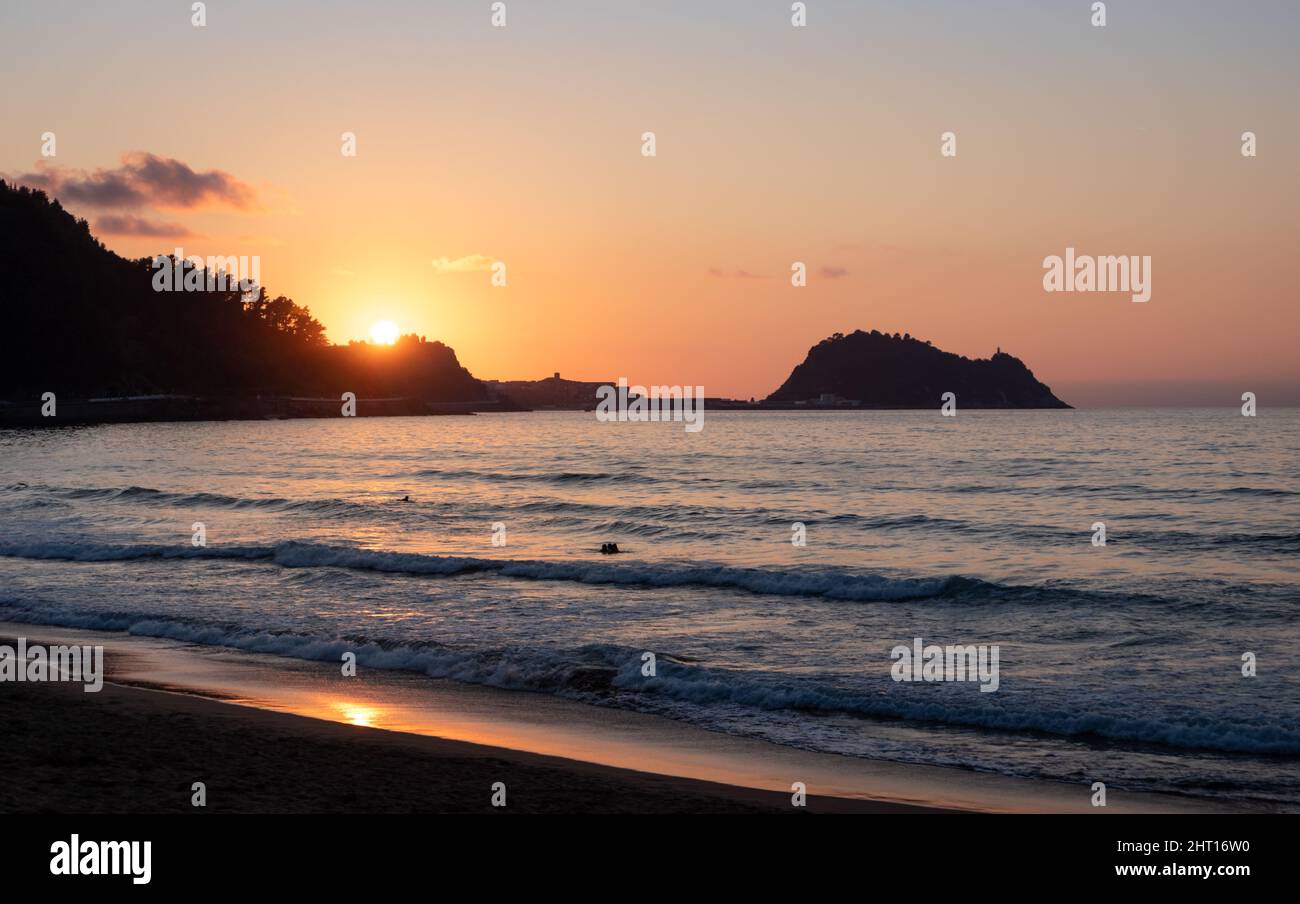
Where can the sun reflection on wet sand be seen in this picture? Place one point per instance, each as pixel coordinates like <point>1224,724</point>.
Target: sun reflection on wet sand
<point>356,714</point>
<point>549,726</point>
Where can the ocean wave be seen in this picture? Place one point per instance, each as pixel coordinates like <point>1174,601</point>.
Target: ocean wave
<point>1196,733</point>
<point>1143,491</point>
<point>681,521</point>
<point>1208,541</point>
<point>834,585</point>
<point>150,496</point>
<point>831,583</point>
<point>610,674</point>
<point>560,477</point>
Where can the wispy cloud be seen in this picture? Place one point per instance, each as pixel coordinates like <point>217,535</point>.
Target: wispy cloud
<point>467,264</point>
<point>143,180</point>
<point>130,224</point>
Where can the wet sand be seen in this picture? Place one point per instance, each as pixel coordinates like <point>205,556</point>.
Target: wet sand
<point>137,750</point>
<point>268,734</point>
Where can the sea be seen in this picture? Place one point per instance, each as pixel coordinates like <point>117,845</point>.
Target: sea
<point>770,567</point>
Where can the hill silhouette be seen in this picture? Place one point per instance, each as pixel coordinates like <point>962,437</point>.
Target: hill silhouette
<point>82,321</point>
<point>551,393</point>
<point>882,371</point>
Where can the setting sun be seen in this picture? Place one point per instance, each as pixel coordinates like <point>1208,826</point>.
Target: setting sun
<point>384,332</point>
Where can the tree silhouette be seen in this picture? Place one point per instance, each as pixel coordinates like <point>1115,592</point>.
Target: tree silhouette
<point>82,320</point>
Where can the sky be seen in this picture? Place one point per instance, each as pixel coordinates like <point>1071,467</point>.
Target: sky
<point>774,145</point>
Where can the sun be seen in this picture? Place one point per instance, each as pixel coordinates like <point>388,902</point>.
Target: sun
<point>384,332</point>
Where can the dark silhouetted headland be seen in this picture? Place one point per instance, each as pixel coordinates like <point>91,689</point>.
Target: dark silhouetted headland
<point>859,371</point>
<point>876,370</point>
<point>553,392</point>
<point>88,324</point>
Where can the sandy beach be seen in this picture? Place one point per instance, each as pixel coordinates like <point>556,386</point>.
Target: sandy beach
<point>269,734</point>
<point>139,750</point>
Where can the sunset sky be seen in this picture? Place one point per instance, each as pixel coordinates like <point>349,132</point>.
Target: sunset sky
<point>775,144</point>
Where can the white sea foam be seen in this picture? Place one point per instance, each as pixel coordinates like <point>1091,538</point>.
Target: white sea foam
<point>556,672</point>
<point>1141,651</point>
<point>831,585</point>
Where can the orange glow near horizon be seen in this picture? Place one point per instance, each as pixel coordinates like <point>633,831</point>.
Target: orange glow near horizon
<point>676,269</point>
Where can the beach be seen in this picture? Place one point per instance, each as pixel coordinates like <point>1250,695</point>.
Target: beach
<point>148,747</point>
<point>649,409</point>
<point>129,749</point>
<point>784,585</point>
<point>262,736</point>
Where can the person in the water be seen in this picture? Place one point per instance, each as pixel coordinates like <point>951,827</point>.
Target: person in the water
<point>608,549</point>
